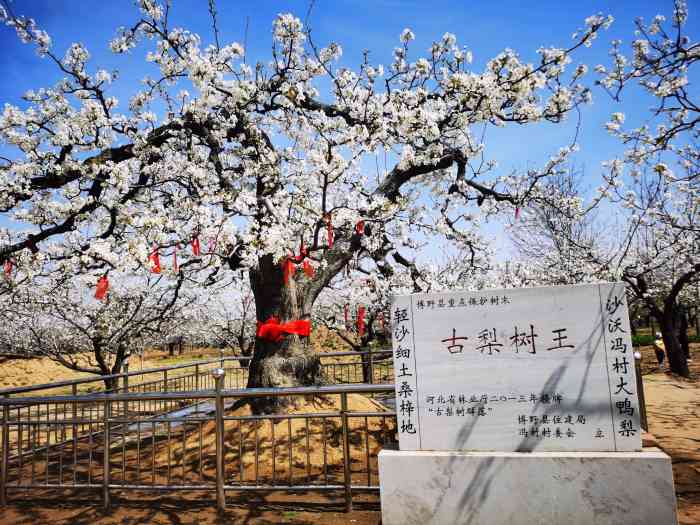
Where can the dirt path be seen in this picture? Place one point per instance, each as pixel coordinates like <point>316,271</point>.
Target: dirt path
<point>673,410</point>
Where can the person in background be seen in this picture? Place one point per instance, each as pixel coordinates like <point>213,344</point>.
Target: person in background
<point>659,349</point>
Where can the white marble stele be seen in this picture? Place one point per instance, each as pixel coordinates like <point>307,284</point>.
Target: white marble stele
<point>494,488</point>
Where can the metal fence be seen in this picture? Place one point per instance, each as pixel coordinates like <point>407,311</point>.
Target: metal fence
<point>371,366</point>
<point>194,436</point>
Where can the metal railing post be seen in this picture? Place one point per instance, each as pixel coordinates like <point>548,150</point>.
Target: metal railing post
<point>196,377</point>
<point>219,374</point>
<point>640,391</point>
<point>125,386</point>
<point>371,366</point>
<point>165,380</point>
<point>5,454</point>
<point>347,480</point>
<point>105,467</point>
<point>74,415</point>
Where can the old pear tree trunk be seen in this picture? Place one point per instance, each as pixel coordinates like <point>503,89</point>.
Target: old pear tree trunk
<point>291,361</point>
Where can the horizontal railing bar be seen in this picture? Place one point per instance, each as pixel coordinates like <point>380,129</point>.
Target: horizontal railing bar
<point>148,420</point>
<point>241,393</point>
<point>160,420</point>
<point>282,416</point>
<point>97,378</point>
<point>25,486</point>
<point>290,488</point>
<point>206,488</point>
<point>283,487</point>
<point>388,413</point>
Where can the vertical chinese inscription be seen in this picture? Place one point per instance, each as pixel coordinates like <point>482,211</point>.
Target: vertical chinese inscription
<point>620,367</point>
<point>405,370</point>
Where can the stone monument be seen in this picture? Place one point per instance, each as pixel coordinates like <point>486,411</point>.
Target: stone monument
<point>519,406</point>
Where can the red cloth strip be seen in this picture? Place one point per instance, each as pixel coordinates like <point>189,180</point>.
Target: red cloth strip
<point>361,321</point>
<point>288,268</point>
<point>102,287</point>
<point>195,246</point>
<point>272,330</point>
<point>308,269</point>
<point>329,229</point>
<point>154,259</point>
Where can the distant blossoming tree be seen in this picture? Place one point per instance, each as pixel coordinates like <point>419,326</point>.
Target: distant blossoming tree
<point>652,240</point>
<point>59,319</point>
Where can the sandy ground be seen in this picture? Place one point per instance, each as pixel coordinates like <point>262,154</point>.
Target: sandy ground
<point>25,372</point>
<point>673,407</point>
<point>673,411</point>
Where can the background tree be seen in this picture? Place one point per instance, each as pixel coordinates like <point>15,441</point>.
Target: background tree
<point>61,321</point>
<point>663,165</point>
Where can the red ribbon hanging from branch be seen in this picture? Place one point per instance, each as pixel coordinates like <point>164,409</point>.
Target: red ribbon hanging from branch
<point>175,267</point>
<point>272,330</point>
<point>346,309</point>
<point>289,264</point>
<point>517,212</point>
<point>195,246</point>
<point>154,259</point>
<point>360,227</point>
<point>361,321</point>
<point>8,269</point>
<point>288,268</point>
<point>102,287</point>
<point>308,269</point>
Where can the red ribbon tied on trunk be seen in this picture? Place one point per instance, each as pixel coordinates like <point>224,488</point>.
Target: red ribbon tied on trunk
<point>101,288</point>
<point>272,330</point>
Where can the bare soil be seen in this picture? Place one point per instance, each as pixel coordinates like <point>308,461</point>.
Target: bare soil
<point>42,370</point>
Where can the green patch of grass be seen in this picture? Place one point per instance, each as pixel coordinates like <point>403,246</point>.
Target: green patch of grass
<point>642,340</point>
<point>646,340</point>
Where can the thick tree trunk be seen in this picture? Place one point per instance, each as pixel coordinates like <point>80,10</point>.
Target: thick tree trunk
<point>291,361</point>
<point>111,384</point>
<point>366,369</point>
<point>682,324</point>
<point>676,358</point>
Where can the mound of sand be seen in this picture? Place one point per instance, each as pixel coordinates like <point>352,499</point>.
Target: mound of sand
<point>279,449</point>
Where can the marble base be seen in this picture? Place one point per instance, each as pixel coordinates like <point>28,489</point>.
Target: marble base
<point>494,488</point>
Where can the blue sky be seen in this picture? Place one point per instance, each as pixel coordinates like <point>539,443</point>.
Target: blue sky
<point>485,27</point>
